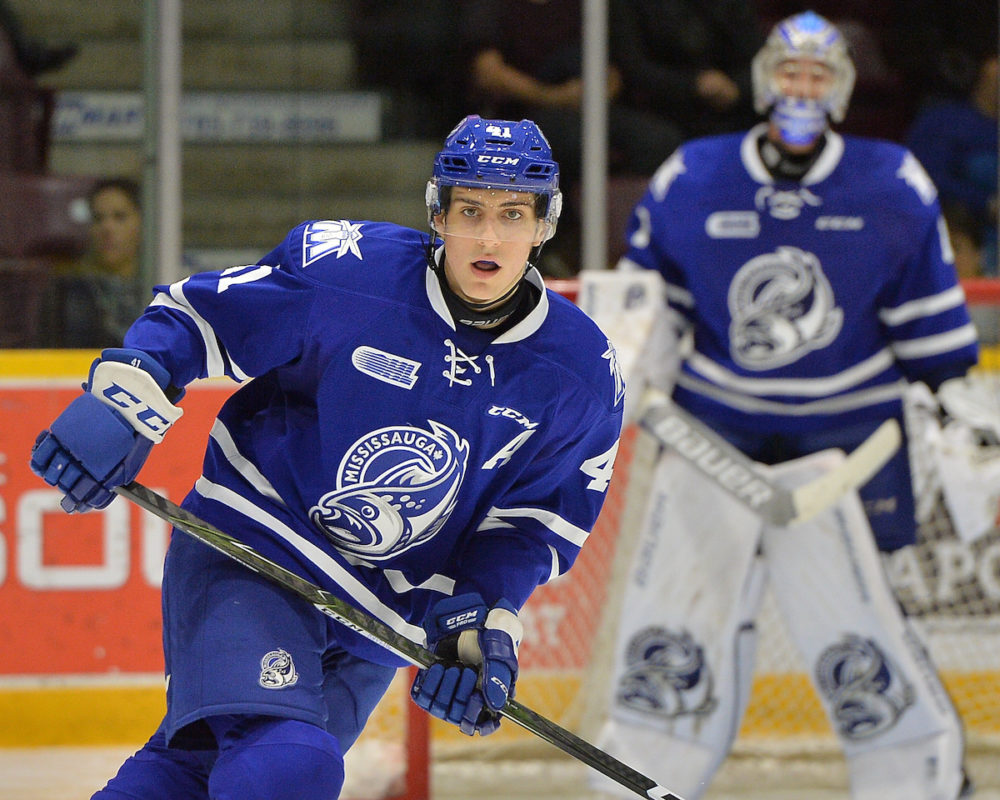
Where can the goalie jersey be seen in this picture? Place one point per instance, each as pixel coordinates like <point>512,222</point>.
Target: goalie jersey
<point>817,300</point>
<point>382,450</point>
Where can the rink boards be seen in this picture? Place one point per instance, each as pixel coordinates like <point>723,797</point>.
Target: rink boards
<point>79,597</point>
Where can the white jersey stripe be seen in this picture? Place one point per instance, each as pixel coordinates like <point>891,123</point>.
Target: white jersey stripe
<point>833,405</point>
<point>241,463</point>
<point>560,527</point>
<point>554,571</point>
<point>360,594</point>
<point>793,387</point>
<point>215,361</point>
<point>935,345</point>
<point>923,307</point>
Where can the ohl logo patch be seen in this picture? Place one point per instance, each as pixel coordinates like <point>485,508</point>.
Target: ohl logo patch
<point>396,488</point>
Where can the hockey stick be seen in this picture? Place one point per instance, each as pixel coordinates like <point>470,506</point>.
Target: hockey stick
<point>377,631</point>
<point>737,474</point>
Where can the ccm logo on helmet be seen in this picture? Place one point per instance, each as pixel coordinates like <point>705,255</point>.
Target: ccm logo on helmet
<point>497,160</point>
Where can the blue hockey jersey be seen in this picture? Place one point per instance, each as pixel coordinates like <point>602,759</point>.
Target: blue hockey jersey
<point>814,302</point>
<point>387,453</point>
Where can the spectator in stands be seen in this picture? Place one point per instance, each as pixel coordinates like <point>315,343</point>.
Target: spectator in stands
<point>956,141</point>
<point>687,61</point>
<point>100,293</point>
<point>939,47</point>
<point>526,62</point>
<point>34,56</point>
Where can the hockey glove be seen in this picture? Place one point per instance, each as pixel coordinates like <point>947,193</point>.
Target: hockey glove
<point>103,437</point>
<point>973,404</point>
<point>481,648</point>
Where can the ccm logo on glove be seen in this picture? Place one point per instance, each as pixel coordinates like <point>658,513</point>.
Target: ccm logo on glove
<point>134,394</point>
<point>462,620</point>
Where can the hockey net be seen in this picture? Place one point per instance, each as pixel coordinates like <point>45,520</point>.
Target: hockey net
<point>949,583</point>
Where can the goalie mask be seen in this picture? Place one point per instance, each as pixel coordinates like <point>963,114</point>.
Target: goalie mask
<point>811,38</point>
<point>504,157</point>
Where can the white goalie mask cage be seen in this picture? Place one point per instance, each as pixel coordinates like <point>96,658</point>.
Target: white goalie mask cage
<point>806,35</point>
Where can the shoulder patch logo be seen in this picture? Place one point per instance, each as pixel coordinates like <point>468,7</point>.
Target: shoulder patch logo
<point>385,367</point>
<point>277,670</point>
<point>914,174</point>
<point>614,367</point>
<point>331,236</point>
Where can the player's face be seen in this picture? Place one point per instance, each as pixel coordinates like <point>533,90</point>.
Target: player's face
<point>115,230</point>
<point>804,79</point>
<point>488,236</point>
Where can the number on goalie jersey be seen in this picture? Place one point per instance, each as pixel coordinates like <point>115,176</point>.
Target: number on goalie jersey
<point>424,421</point>
<point>813,275</point>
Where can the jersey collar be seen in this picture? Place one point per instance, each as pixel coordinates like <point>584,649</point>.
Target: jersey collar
<point>825,164</point>
<point>522,330</point>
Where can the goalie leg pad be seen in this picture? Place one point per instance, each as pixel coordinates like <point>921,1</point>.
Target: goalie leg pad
<point>875,681</point>
<point>908,771</point>
<point>268,758</point>
<point>689,604</point>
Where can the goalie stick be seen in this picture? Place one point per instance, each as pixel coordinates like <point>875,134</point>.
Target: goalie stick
<point>736,473</point>
<point>377,631</point>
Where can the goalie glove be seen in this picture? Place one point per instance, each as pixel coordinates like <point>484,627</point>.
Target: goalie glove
<point>974,404</point>
<point>104,436</point>
<point>480,647</point>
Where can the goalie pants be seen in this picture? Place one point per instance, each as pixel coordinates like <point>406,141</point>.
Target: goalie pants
<point>684,657</point>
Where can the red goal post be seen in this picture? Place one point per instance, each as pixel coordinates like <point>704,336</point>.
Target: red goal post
<point>566,652</point>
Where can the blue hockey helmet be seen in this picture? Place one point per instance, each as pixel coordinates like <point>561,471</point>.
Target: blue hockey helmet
<point>803,36</point>
<point>502,155</point>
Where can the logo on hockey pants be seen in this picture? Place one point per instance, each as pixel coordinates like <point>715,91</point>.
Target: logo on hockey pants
<point>277,670</point>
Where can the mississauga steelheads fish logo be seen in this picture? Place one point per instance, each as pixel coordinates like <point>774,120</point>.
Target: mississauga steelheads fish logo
<point>396,488</point>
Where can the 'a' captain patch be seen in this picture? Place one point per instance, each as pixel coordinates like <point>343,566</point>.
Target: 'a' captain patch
<point>337,236</point>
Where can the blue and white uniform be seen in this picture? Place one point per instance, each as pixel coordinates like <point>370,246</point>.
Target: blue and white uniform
<point>816,279</point>
<point>812,303</point>
<point>815,301</point>
<point>389,454</point>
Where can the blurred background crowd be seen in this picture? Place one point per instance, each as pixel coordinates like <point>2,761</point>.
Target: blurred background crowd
<point>70,227</point>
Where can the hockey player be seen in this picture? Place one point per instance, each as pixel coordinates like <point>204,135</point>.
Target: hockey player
<point>811,279</point>
<point>428,434</point>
